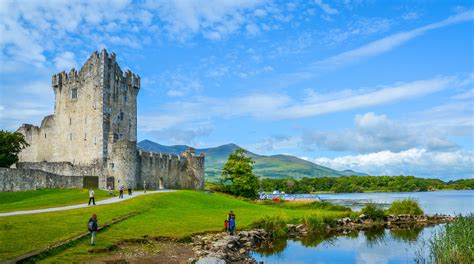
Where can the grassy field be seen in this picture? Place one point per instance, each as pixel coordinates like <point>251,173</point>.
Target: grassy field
<point>177,214</point>
<point>46,198</point>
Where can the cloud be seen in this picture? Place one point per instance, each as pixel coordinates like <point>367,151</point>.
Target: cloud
<point>326,8</point>
<point>179,85</point>
<point>364,99</point>
<point>416,161</point>
<point>377,133</point>
<point>180,135</point>
<point>65,61</point>
<point>370,50</point>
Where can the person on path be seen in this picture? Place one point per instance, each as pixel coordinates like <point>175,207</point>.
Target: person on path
<point>92,227</point>
<point>91,197</point>
<point>226,224</point>
<point>144,186</point>
<point>129,187</point>
<point>232,225</point>
<point>121,191</point>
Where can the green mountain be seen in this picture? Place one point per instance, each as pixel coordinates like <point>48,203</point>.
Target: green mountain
<point>274,166</point>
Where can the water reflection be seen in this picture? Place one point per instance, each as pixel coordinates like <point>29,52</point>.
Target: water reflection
<point>377,245</point>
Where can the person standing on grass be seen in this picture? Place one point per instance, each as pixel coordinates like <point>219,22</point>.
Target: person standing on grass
<point>121,191</point>
<point>232,225</point>
<point>144,186</point>
<point>129,187</point>
<point>91,197</point>
<point>92,227</point>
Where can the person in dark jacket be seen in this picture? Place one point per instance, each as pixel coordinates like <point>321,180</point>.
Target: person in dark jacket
<point>232,225</point>
<point>92,226</point>
<point>129,187</point>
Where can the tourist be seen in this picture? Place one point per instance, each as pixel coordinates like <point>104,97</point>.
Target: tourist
<point>226,225</point>
<point>144,186</point>
<point>92,226</point>
<point>91,197</point>
<point>121,191</point>
<point>232,225</point>
<point>129,188</point>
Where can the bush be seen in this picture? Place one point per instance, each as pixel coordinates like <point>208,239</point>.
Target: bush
<point>373,211</point>
<point>314,223</point>
<point>407,206</point>
<point>274,225</point>
<point>313,205</point>
<point>453,244</point>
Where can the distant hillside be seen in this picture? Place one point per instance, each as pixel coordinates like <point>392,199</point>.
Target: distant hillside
<point>275,166</point>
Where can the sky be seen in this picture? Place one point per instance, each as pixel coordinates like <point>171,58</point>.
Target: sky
<point>381,87</point>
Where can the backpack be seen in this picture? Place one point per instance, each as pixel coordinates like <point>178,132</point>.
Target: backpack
<point>90,225</point>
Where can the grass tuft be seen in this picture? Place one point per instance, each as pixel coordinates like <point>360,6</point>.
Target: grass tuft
<point>406,206</point>
<point>373,211</point>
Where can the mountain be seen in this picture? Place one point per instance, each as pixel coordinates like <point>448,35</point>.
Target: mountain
<point>274,166</point>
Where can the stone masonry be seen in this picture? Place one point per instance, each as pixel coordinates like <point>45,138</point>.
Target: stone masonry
<point>93,131</point>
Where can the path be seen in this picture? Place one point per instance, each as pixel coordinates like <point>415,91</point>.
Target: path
<point>84,205</point>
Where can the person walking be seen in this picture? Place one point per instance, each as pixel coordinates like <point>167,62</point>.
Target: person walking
<point>92,227</point>
<point>144,186</point>
<point>129,187</point>
<point>121,191</point>
<point>91,197</point>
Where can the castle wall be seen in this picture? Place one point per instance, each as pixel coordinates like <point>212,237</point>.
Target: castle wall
<point>171,171</point>
<point>12,180</point>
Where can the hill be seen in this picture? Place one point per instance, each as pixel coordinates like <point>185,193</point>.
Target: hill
<point>274,166</point>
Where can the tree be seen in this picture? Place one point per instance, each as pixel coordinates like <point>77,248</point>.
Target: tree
<point>11,143</point>
<point>237,175</point>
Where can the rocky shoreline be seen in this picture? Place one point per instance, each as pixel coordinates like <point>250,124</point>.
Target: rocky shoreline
<point>220,248</point>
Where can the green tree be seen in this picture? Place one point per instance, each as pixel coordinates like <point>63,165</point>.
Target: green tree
<point>11,143</point>
<point>237,175</point>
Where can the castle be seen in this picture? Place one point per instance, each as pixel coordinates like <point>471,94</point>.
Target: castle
<point>93,132</point>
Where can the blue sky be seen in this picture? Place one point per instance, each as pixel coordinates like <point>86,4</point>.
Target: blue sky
<point>383,87</point>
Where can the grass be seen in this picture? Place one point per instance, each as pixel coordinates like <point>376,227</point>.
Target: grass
<point>46,198</point>
<point>176,214</point>
<point>452,245</point>
<point>406,206</point>
<point>373,211</point>
<point>308,205</point>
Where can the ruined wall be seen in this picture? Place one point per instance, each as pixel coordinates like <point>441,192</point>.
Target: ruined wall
<point>12,180</point>
<point>170,171</point>
<point>63,168</point>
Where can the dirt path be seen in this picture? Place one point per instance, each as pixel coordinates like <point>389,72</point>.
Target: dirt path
<point>84,205</point>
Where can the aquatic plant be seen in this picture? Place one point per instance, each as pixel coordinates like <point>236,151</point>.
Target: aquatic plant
<point>452,244</point>
<point>405,206</point>
<point>274,225</point>
<point>373,211</point>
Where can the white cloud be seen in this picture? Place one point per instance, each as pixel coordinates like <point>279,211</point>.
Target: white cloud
<point>365,99</point>
<point>326,8</point>
<point>376,133</point>
<point>65,61</point>
<point>416,161</point>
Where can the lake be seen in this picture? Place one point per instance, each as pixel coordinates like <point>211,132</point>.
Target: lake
<point>375,246</point>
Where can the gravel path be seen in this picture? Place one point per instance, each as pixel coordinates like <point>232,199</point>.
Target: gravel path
<point>84,205</point>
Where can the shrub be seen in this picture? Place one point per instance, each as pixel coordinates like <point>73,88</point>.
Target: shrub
<point>274,225</point>
<point>373,211</point>
<point>314,223</point>
<point>406,206</point>
<point>453,244</point>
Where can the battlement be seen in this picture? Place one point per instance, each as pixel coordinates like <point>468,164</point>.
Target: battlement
<point>99,66</point>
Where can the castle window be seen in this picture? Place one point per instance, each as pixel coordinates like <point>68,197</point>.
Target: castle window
<point>125,98</point>
<point>95,140</point>
<point>44,135</point>
<point>70,121</point>
<point>74,93</point>
<point>111,165</point>
<point>85,136</point>
<point>121,115</point>
<point>70,136</point>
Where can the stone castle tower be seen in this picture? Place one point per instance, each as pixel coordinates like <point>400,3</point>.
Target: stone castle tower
<point>93,130</point>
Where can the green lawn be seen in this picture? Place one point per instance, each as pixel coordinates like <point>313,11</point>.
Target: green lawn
<point>46,198</point>
<point>176,214</point>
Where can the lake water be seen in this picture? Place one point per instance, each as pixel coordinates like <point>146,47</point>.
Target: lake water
<point>375,246</point>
